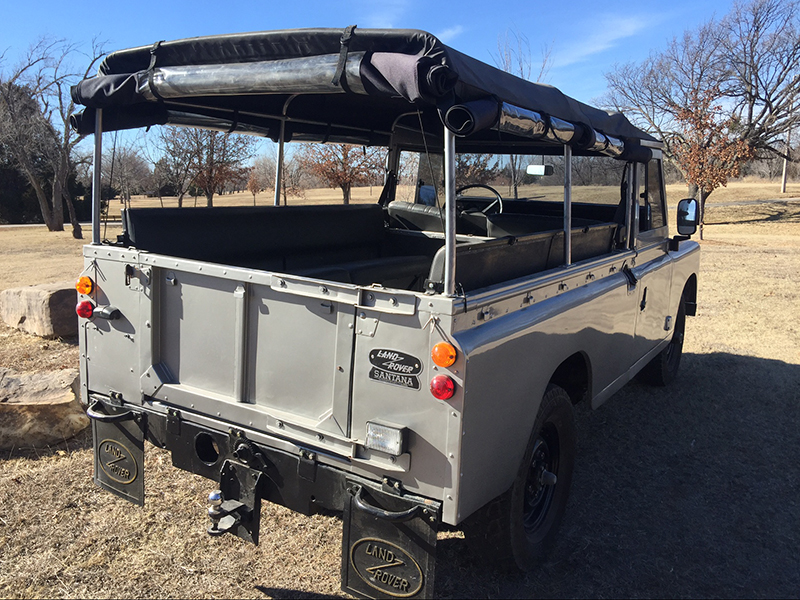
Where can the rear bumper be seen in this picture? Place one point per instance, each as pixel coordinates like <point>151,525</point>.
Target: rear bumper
<point>299,478</point>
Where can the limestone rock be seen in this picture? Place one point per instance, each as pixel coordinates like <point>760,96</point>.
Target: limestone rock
<point>46,310</point>
<point>38,409</point>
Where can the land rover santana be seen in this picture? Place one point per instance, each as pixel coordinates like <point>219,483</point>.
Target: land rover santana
<point>412,362</point>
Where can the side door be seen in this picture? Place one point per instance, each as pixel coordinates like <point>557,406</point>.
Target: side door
<point>653,269</point>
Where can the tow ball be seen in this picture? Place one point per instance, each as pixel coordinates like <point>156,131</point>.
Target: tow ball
<point>224,514</point>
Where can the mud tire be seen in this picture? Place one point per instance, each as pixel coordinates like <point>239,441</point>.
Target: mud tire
<point>515,531</point>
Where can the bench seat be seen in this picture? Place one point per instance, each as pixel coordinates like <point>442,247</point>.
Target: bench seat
<point>376,270</point>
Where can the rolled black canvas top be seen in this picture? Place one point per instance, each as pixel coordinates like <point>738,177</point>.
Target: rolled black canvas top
<point>349,85</point>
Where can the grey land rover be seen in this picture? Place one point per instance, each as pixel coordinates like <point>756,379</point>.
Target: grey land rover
<point>412,362</point>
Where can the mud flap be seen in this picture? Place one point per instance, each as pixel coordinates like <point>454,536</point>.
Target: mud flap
<point>119,451</point>
<point>388,544</point>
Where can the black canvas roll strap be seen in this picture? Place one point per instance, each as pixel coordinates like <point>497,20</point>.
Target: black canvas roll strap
<point>339,77</point>
<point>151,69</point>
<point>234,121</point>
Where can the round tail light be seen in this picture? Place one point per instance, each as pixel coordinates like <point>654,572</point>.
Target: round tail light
<point>443,387</point>
<point>84,285</point>
<point>443,354</point>
<point>85,309</point>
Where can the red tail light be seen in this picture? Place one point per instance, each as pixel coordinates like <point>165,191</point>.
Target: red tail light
<point>85,309</point>
<point>443,387</point>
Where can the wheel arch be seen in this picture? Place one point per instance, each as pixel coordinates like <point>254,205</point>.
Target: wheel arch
<point>574,376</point>
<point>690,295</point>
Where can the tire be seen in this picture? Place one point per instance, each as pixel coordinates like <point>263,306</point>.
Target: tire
<point>663,369</point>
<point>516,530</point>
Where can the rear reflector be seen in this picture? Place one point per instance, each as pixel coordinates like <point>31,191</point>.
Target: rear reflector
<point>443,387</point>
<point>85,309</point>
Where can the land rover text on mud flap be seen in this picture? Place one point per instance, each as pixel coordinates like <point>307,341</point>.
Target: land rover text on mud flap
<point>411,362</point>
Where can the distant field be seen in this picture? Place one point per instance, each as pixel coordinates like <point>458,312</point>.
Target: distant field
<point>735,192</point>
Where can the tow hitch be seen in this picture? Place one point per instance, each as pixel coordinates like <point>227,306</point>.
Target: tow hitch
<point>236,507</point>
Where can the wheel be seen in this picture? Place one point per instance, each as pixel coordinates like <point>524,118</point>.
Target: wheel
<point>515,530</point>
<point>498,199</point>
<point>663,369</point>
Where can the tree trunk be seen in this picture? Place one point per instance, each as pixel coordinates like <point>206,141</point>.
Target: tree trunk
<point>180,200</point>
<point>77,231</point>
<point>346,193</point>
<point>210,199</point>
<point>702,211</point>
<point>59,189</point>
<point>44,205</point>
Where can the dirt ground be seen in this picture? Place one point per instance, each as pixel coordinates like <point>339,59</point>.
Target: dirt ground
<point>686,491</point>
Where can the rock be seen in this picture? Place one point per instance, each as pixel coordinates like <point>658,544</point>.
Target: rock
<point>46,310</point>
<point>38,409</point>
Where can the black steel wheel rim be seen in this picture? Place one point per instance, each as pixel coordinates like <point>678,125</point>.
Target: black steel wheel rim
<point>539,496</point>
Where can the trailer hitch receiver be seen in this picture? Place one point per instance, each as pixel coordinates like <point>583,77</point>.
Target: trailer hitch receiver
<point>236,506</point>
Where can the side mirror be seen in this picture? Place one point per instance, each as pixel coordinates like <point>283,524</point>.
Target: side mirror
<point>687,216</point>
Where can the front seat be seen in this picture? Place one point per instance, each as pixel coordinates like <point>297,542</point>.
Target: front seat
<point>417,217</point>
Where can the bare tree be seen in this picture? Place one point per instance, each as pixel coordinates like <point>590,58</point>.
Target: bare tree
<point>294,180</point>
<point>514,56</point>
<point>748,64</point>
<point>173,156</point>
<point>35,106</point>
<point>132,174</point>
<point>218,159</point>
<point>341,165</point>
<point>476,169</point>
<point>253,184</point>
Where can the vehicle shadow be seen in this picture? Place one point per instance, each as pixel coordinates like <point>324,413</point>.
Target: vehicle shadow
<point>688,490</point>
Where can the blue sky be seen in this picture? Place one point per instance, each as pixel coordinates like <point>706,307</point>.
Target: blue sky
<point>587,37</point>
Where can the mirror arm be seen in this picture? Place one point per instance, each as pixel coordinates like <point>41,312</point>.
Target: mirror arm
<point>675,242</point>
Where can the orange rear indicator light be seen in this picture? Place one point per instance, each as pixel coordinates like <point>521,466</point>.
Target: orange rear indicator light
<point>84,285</point>
<point>444,354</point>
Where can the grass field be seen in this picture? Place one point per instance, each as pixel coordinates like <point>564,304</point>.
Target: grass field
<point>686,491</point>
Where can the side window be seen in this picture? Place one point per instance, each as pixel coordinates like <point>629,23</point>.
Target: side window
<point>651,198</point>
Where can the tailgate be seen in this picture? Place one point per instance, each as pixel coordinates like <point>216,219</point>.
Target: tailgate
<point>231,337</point>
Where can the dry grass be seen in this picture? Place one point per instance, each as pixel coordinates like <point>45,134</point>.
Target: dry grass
<point>686,491</point>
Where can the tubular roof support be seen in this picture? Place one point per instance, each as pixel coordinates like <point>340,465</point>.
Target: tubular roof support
<point>567,204</point>
<point>97,159</point>
<point>279,165</point>
<point>450,213</point>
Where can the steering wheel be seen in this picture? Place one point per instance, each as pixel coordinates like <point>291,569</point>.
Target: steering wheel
<point>497,202</point>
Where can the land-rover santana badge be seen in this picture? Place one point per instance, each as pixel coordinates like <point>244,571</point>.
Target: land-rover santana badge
<point>395,368</point>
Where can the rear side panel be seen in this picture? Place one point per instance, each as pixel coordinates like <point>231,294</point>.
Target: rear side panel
<point>391,389</point>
